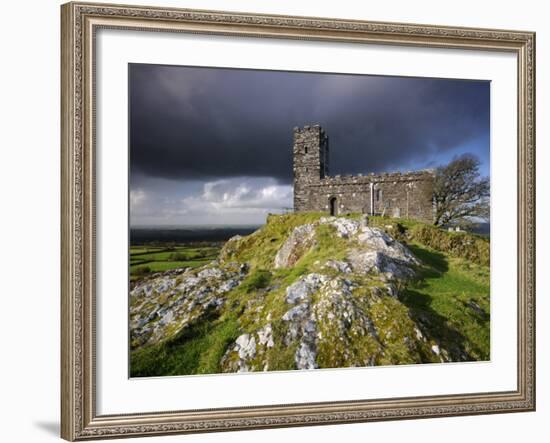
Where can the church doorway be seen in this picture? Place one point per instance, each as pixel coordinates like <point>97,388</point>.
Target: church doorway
<point>333,206</point>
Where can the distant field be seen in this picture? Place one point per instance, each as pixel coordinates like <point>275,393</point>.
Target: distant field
<point>145,260</point>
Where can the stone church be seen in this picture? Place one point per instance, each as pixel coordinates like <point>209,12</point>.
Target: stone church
<point>406,195</point>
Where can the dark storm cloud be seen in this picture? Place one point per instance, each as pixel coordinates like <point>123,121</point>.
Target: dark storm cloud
<point>202,123</point>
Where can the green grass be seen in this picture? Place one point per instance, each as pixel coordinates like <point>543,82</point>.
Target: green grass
<point>161,266</point>
<point>181,253</point>
<point>198,349</point>
<point>281,356</point>
<point>449,300</point>
<point>451,303</point>
<point>259,249</point>
<point>258,279</point>
<point>145,260</point>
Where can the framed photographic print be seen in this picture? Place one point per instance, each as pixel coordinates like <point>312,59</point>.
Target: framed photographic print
<point>281,221</point>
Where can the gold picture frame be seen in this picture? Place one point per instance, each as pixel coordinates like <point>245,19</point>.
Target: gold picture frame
<point>79,22</point>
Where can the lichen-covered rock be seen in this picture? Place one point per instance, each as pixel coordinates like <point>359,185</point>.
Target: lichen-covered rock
<point>210,273</point>
<point>297,244</point>
<point>306,353</point>
<point>345,228</point>
<point>331,322</point>
<point>337,265</point>
<point>246,346</point>
<point>163,306</point>
<point>302,289</point>
<point>230,247</point>
<point>330,292</point>
<point>346,331</point>
<point>379,253</point>
<point>378,240</point>
<point>301,323</point>
<point>365,262</point>
<point>244,349</point>
<point>265,336</point>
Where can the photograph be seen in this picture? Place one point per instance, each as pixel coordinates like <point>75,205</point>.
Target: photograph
<point>288,220</point>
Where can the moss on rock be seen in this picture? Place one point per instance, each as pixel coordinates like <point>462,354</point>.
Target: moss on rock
<point>277,300</point>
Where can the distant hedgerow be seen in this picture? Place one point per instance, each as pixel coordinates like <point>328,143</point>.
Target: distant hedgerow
<point>142,270</point>
<point>177,256</point>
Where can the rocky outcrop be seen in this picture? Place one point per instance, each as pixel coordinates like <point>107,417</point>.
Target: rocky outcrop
<point>379,253</point>
<point>162,307</point>
<point>230,247</point>
<point>298,243</point>
<point>306,309</point>
<point>329,322</point>
<point>338,265</point>
<point>301,321</point>
<point>345,227</point>
<point>371,250</point>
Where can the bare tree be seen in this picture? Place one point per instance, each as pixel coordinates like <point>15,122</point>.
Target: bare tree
<point>460,193</point>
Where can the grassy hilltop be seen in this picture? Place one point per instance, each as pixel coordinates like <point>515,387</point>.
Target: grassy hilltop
<point>309,291</point>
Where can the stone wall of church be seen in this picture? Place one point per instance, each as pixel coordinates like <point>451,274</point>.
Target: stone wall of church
<point>405,195</point>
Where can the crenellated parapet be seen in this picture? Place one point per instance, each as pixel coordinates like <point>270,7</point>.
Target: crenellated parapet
<point>386,177</point>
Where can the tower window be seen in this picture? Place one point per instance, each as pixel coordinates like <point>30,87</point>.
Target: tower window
<point>305,150</point>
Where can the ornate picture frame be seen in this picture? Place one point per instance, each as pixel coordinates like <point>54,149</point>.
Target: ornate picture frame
<point>80,22</point>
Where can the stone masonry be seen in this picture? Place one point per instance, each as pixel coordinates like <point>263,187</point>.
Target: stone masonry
<point>406,195</point>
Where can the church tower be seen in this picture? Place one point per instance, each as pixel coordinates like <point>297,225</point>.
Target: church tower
<point>310,151</point>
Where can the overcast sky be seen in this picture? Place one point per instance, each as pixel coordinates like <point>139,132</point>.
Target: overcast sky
<point>214,146</point>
